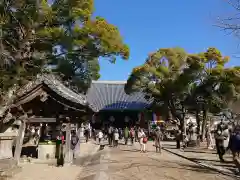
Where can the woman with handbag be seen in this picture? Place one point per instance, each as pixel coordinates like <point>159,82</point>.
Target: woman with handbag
<point>142,140</point>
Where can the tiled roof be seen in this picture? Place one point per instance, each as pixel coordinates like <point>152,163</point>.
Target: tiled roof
<point>56,85</point>
<point>110,95</point>
<point>53,83</point>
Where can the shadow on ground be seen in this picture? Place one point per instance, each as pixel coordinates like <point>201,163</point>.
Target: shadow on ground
<point>81,161</point>
<point>162,164</point>
<point>115,166</point>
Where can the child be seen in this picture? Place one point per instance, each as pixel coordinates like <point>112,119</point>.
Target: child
<point>185,142</point>
<point>116,137</point>
<point>100,136</point>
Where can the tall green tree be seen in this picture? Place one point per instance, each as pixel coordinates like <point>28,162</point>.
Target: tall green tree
<point>22,54</point>
<point>166,76</point>
<point>178,80</point>
<point>79,41</point>
<point>209,94</point>
<point>61,37</point>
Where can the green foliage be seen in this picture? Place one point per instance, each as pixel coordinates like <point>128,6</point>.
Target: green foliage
<point>22,55</point>
<point>80,40</point>
<point>35,34</point>
<point>178,80</point>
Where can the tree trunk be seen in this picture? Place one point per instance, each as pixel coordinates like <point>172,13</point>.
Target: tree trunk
<point>204,123</point>
<point>198,126</point>
<point>166,113</point>
<point>180,120</point>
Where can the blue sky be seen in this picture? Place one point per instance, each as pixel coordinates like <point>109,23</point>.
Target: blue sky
<point>149,25</point>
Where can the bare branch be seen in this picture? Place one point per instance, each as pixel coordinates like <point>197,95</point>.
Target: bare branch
<point>231,24</point>
<point>234,3</point>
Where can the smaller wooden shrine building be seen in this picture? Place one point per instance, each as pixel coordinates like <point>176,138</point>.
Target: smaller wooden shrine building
<point>46,105</point>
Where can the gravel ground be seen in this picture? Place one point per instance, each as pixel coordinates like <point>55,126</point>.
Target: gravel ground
<point>44,171</point>
<point>122,163</point>
<point>126,162</point>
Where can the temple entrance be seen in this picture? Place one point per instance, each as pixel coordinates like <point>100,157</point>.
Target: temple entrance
<point>119,119</point>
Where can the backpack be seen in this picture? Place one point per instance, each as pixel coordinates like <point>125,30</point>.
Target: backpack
<point>237,138</point>
<point>74,140</point>
<point>145,139</point>
<point>234,143</point>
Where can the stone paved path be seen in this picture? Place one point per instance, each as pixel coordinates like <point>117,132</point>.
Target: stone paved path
<point>126,162</point>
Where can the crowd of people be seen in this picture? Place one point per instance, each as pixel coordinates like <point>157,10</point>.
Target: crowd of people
<point>132,135</point>
<point>226,138</point>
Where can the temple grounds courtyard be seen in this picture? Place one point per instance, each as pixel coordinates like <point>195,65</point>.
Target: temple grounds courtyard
<point>122,163</point>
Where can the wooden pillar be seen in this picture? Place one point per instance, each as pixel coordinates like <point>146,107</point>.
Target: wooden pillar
<point>141,120</point>
<point>19,141</point>
<point>68,152</point>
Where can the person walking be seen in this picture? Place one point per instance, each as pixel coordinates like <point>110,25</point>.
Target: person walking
<point>136,133</point>
<point>120,131</point>
<point>185,141</point>
<point>158,136</point>
<point>141,136</point>
<point>126,135</point>
<point>209,137</point>
<point>100,136</point>
<point>178,135</point>
<point>86,133</point>
<point>74,142</point>
<point>116,137</point>
<point>60,152</point>
<point>132,135</point>
<point>221,135</point>
<point>94,135</point>
<point>110,135</point>
<point>234,146</point>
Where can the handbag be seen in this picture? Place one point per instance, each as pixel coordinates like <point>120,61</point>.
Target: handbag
<point>145,140</point>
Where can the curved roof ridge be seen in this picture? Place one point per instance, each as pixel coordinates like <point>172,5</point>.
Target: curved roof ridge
<point>109,82</point>
<point>56,85</point>
<point>110,95</point>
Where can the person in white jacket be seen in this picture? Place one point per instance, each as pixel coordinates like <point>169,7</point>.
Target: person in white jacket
<point>100,136</point>
<point>141,135</point>
<point>116,137</point>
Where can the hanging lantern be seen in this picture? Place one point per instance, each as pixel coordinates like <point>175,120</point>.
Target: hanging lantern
<point>126,119</point>
<point>112,119</point>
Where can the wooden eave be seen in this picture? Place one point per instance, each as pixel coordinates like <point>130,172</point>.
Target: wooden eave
<point>44,88</point>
